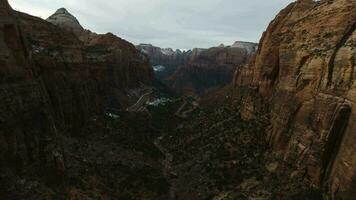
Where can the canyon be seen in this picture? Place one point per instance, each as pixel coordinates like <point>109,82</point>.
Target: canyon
<point>210,69</point>
<point>87,116</point>
<point>196,71</point>
<point>165,61</point>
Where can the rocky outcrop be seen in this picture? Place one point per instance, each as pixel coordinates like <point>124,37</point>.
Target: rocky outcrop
<point>304,71</point>
<point>66,20</point>
<point>165,61</point>
<point>249,46</point>
<point>208,68</point>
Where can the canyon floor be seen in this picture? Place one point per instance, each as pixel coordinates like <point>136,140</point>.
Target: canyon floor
<point>152,152</point>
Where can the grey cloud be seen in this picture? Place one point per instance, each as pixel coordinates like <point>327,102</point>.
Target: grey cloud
<point>178,24</point>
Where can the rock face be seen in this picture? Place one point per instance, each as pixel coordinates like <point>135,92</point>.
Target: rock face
<point>249,46</point>
<point>165,60</point>
<point>28,133</point>
<point>84,74</point>
<point>53,82</point>
<point>66,20</point>
<point>208,68</point>
<point>304,71</point>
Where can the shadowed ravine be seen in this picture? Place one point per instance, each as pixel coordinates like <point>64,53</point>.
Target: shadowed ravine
<point>167,170</point>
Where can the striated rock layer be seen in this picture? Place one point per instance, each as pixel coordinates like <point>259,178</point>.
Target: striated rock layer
<point>53,81</point>
<point>28,132</point>
<point>304,70</point>
<point>66,20</point>
<point>208,69</point>
<point>85,74</point>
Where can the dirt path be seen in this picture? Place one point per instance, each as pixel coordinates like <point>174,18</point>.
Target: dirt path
<point>187,112</point>
<point>168,172</point>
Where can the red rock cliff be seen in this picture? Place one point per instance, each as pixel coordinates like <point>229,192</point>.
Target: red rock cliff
<point>52,82</point>
<point>304,70</point>
<point>84,75</point>
<point>28,134</point>
<point>208,68</point>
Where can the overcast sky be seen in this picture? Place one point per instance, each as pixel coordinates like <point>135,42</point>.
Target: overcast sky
<point>182,24</point>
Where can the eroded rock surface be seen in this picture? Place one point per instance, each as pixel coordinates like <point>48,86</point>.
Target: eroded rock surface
<point>28,134</point>
<point>53,83</point>
<point>304,69</point>
<point>208,69</point>
<point>66,20</point>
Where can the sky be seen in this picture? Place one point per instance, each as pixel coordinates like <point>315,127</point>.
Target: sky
<point>179,24</point>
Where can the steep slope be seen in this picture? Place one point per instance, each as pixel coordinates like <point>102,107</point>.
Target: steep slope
<point>209,68</point>
<point>64,19</point>
<point>304,71</point>
<point>84,75</point>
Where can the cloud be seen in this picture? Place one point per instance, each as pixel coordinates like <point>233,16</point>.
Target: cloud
<point>180,24</point>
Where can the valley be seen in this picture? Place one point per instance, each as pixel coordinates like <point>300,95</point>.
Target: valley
<point>91,116</point>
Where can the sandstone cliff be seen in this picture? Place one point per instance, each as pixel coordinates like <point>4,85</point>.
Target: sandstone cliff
<point>53,81</point>
<point>28,134</point>
<point>304,72</point>
<point>64,19</point>
<point>209,68</point>
<point>85,73</point>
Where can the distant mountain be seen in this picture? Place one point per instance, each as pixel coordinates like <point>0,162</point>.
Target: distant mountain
<point>210,68</point>
<point>194,71</point>
<point>165,61</point>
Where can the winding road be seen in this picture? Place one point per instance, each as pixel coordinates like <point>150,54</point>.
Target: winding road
<point>138,105</point>
<point>184,114</point>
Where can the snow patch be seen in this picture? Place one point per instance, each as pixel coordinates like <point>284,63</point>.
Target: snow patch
<point>112,115</point>
<point>159,68</point>
<point>159,102</point>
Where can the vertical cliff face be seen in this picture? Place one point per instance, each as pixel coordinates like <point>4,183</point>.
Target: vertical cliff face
<point>304,70</point>
<point>28,135</point>
<point>52,81</point>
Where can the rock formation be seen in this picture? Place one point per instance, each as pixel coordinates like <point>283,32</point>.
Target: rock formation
<point>28,133</point>
<point>52,83</point>
<point>249,46</point>
<point>209,68</point>
<point>304,72</point>
<point>164,60</point>
<point>84,74</point>
<point>64,19</point>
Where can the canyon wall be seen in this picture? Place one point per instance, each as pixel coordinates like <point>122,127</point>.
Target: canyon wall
<point>304,71</point>
<point>52,81</point>
<point>84,72</point>
<point>208,69</point>
<point>28,132</point>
